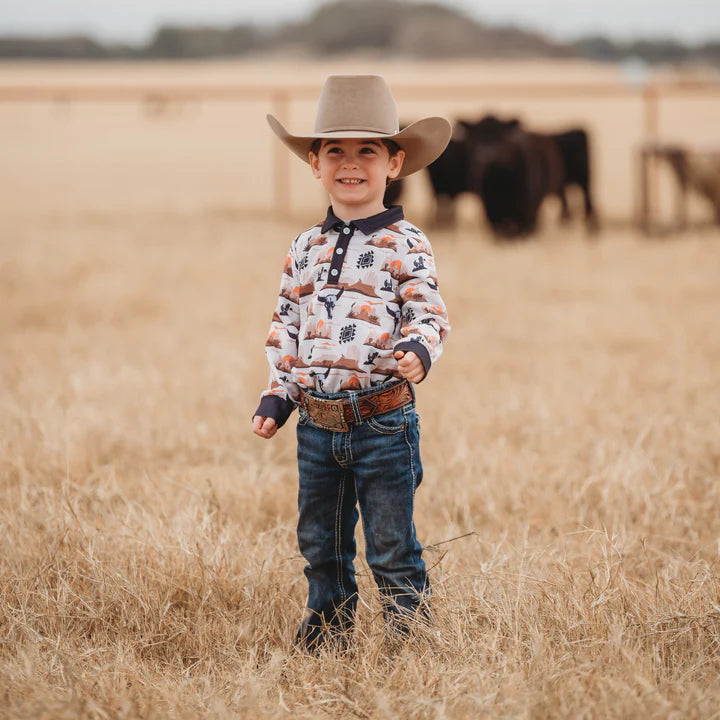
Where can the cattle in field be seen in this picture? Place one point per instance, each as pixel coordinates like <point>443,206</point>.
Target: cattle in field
<point>505,159</point>
<point>695,170</point>
<point>512,170</point>
<point>448,178</point>
<point>574,147</point>
<point>393,192</point>
<point>702,170</point>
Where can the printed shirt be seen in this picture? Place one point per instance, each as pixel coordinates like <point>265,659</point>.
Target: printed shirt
<point>351,295</point>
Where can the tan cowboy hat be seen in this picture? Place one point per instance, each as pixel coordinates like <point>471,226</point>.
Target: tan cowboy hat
<point>362,106</point>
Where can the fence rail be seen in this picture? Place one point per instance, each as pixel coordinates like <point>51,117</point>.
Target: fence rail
<point>181,92</point>
<point>280,98</point>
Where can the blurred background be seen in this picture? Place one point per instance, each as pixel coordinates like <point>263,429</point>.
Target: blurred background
<point>161,104</point>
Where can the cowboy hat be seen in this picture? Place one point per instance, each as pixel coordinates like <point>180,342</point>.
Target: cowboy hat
<point>362,106</point>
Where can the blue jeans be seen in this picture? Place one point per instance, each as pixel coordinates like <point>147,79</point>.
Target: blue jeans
<point>375,465</point>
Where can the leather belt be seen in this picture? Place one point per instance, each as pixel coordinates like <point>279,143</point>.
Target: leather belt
<point>338,414</point>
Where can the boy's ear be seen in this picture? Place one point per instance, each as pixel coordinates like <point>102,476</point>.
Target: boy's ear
<point>314,163</point>
<point>396,163</point>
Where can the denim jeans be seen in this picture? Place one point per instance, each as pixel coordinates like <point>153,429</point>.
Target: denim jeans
<point>376,465</point>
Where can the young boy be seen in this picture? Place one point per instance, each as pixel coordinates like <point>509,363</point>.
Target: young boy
<point>359,319</point>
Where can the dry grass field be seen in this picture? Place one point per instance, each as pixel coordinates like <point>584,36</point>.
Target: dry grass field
<point>149,569</point>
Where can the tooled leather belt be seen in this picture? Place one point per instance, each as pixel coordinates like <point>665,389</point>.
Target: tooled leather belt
<point>338,415</point>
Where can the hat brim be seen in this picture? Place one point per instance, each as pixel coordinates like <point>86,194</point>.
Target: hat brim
<point>423,141</point>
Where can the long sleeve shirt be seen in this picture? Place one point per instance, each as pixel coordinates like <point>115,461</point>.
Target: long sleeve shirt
<point>351,295</point>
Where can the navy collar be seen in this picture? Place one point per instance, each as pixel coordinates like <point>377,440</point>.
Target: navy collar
<point>368,225</point>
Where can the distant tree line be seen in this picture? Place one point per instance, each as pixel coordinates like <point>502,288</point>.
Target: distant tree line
<point>384,27</point>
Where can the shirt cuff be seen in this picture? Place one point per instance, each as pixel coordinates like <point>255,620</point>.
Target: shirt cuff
<point>419,349</point>
<point>277,408</point>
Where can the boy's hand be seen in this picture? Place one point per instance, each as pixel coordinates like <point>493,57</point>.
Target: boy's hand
<point>265,427</point>
<point>410,366</point>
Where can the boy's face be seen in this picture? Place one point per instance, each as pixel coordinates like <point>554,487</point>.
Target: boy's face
<point>354,172</point>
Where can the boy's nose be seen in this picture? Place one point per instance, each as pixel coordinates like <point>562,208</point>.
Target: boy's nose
<point>350,161</point>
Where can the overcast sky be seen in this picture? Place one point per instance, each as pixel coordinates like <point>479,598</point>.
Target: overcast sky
<point>135,20</point>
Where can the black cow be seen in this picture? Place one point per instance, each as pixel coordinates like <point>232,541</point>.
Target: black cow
<point>511,170</point>
<point>393,192</point>
<point>574,148</point>
<point>448,177</point>
<point>507,157</point>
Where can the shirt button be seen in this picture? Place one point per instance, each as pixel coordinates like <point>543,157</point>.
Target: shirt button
<point>346,230</point>
<point>339,251</point>
<point>333,272</point>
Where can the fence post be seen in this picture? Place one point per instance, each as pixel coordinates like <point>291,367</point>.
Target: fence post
<point>281,164</point>
<point>649,160</point>
<point>651,114</point>
<point>643,208</point>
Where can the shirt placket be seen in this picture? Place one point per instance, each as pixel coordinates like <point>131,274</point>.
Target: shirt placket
<point>345,233</point>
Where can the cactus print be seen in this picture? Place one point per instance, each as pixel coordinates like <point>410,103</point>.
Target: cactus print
<point>350,294</point>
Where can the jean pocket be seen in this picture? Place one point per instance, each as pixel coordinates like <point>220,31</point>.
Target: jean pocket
<point>388,423</point>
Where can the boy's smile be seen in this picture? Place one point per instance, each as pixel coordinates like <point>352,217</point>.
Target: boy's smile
<point>354,173</point>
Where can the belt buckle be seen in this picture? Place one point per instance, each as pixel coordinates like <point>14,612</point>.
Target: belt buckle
<point>327,414</point>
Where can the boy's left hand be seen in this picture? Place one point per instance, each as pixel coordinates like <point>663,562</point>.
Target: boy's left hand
<point>410,366</point>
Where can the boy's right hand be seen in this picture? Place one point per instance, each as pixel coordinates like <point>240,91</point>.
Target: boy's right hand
<point>265,427</point>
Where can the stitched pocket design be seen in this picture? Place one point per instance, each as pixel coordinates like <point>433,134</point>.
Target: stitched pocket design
<point>388,423</point>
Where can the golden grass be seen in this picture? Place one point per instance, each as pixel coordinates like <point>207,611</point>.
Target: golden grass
<point>570,441</point>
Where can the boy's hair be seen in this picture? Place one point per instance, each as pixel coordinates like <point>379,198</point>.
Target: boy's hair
<point>391,145</point>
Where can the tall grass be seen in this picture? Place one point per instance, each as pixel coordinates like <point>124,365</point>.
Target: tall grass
<point>570,507</point>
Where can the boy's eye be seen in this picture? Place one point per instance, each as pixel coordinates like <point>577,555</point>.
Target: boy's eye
<point>333,150</point>
<point>368,150</point>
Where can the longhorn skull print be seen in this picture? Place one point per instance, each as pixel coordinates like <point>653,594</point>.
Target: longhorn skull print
<point>329,302</point>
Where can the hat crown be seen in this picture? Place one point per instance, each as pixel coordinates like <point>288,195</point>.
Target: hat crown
<point>356,103</point>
